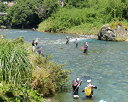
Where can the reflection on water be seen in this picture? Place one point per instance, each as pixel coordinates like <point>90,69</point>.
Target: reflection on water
<point>106,64</point>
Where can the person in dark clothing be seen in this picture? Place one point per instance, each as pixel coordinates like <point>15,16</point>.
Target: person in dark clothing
<point>85,47</point>
<point>75,85</point>
<point>36,41</point>
<point>33,45</point>
<point>67,42</point>
<point>33,42</point>
<point>39,51</point>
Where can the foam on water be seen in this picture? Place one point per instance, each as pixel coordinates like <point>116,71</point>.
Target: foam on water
<point>102,101</point>
<point>79,39</point>
<point>47,41</point>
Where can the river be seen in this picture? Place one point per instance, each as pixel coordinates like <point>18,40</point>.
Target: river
<point>106,64</point>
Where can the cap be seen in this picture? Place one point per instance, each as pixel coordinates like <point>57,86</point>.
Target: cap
<point>77,79</point>
<point>88,81</point>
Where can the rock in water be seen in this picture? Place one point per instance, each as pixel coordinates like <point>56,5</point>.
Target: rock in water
<point>110,34</point>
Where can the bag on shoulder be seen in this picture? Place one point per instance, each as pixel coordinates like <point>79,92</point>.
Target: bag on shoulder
<point>75,83</point>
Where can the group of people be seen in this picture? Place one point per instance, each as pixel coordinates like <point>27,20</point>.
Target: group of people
<point>85,46</point>
<point>88,90</point>
<point>36,48</point>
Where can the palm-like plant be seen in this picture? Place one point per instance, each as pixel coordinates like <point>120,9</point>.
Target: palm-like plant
<point>15,67</point>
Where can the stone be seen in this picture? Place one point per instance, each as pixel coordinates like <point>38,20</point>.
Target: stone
<point>109,34</point>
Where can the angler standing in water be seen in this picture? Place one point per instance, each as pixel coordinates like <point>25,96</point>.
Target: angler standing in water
<point>67,42</point>
<point>89,89</point>
<point>37,41</point>
<point>76,42</point>
<point>75,85</point>
<point>33,46</point>
<point>39,51</point>
<point>85,47</point>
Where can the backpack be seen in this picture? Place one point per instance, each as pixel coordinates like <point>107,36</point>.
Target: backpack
<point>75,83</point>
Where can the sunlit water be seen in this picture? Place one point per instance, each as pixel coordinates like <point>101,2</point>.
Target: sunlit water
<point>106,64</point>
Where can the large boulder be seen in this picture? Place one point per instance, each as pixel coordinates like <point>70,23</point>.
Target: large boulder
<point>110,34</point>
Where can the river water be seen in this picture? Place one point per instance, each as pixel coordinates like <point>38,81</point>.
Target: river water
<point>106,64</point>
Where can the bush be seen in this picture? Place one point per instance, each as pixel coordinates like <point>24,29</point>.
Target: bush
<point>48,77</point>
<point>65,19</point>
<point>10,93</point>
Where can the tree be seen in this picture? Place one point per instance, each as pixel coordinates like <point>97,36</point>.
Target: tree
<point>29,13</point>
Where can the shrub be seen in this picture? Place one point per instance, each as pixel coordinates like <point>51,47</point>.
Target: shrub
<point>10,93</point>
<point>48,77</point>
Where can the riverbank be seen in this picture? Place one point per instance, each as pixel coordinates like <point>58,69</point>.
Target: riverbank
<point>83,21</point>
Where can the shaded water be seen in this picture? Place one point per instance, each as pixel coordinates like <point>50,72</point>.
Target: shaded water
<point>106,64</point>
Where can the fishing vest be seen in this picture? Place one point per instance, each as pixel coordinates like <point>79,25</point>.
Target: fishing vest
<point>88,91</point>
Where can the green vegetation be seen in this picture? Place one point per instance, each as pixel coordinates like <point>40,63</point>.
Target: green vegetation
<point>72,20</point>
<point>10,93</point>
<point>3,8</point>
<point>85,16</point>
<point>28,13</point>
<point>27,75</point>
<point>77,16</point>
<point>48,77</point>
<point>15,66</point>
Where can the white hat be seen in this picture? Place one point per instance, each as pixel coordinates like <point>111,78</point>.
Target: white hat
<point>77,79</point>
<point>88,81</point>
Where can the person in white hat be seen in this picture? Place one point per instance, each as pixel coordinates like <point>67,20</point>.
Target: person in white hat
<point>75,85</point>
<point>89,89</point>
<point>36,41</point>
<point>85,47</point>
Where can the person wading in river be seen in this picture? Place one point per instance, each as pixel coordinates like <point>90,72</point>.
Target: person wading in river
<point>76,42</point>
<point>33,46</point>
<point>85,47</point>
<point>37,41</point>
<point>75,85</point>
<point>67,42</point>
<point>89,89</point>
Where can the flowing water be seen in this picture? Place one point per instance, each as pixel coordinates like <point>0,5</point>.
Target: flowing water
<point>106,64</point>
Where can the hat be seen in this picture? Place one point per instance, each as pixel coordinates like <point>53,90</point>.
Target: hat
<point>88,81</point>
<point>77,79</point>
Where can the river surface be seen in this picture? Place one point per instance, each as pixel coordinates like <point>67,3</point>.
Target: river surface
<point>106,64</point>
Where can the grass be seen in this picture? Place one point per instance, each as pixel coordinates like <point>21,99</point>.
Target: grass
<point>15,67</point>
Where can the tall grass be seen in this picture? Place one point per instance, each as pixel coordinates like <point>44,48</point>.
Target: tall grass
<point>15,67</point>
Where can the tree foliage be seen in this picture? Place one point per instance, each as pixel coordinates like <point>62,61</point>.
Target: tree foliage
<point>29,13</point>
